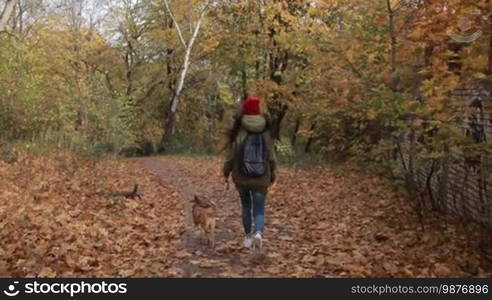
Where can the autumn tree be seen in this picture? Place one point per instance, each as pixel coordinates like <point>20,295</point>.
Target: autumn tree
<point>187,43</point>
<point>6,13</point>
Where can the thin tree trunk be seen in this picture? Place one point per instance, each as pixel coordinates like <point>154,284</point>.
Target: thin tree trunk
<point>21,18</point>
<point>278,110</point>
<point>6,13</point>
<point>129,70</point>
<point>244,82</point>
<point>490,44</point>
<point>171,121</point>
<point>211,122</point>
<point>310,139</point>
<point>277,118</point>
<point>391,16</point>
<point>170,126</point>
<point>296,131</point>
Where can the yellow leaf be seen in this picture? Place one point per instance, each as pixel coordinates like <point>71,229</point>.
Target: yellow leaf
<point>371,114</point>
<point>417,34</point>
<point>480,75</point>
<point>479,63</point>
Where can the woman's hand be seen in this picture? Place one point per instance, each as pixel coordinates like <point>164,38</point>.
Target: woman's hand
<point>226,181</point>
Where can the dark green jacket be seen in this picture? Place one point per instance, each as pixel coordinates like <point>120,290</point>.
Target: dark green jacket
<point>254,124</point>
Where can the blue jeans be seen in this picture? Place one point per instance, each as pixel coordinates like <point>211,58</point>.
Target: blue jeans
<point>253,202</point>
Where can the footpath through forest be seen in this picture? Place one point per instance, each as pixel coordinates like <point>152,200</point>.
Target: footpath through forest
<point>66,216</point>
<point>318,224</point>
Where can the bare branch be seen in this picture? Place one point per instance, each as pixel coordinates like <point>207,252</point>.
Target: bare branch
<point>178,29</point>
<point>186,62</point>
<point>6,13</point>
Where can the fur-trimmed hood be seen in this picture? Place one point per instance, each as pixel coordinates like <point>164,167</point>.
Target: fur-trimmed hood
<point>254,124</point>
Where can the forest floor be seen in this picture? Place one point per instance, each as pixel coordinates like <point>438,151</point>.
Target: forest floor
<point>58,217</point>
<point>320,224</point>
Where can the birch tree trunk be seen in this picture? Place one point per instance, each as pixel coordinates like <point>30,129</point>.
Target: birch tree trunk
<point>188,46</point>
<point>6,13</point>
<point>394,81</point>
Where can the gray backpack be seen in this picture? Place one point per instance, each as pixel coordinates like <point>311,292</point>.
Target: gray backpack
<point>253,156</point>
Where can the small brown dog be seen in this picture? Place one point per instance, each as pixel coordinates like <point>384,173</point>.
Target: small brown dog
<point>204,216</point>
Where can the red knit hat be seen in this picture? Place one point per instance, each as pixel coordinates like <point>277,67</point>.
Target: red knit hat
<point>251,106</point>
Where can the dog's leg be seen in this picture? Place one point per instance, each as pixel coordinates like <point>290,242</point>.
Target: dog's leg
<point>211,241</point>
<point>203,236</point>
<point>212,233</point>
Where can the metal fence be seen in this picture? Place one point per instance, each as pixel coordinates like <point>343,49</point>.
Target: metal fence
<point>462,185</point>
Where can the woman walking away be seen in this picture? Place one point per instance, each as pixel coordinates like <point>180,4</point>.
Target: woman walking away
<point>252,162</point>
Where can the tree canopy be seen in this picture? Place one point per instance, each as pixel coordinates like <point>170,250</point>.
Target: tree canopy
<point>139,76</point>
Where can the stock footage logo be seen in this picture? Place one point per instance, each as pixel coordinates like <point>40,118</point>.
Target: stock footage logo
<point>466,29</point>
<point>68,288</point>
<point>11,290</point>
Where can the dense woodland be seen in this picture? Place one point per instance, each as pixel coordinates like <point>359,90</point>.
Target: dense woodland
<point>141,76</point>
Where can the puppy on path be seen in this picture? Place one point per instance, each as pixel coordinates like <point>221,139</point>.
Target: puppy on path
<point>204,216</point>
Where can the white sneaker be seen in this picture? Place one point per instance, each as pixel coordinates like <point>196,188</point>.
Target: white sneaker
<point>248,241</point>
<point>257,241</point>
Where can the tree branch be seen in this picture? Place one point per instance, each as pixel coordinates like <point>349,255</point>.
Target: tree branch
<point>6,13</point>
<point>351,64</point>
<point>391,16</point>
<point>178,29</point>
<point>186,63</point>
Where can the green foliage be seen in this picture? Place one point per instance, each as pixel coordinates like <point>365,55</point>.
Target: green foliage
<point>285,151</point>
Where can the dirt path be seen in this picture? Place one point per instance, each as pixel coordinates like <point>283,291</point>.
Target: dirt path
<point>319,224</point>
<point>201,178</point>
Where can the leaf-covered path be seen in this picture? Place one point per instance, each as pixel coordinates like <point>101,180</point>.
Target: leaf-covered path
<point>59,217</point>
<point>318,224</point>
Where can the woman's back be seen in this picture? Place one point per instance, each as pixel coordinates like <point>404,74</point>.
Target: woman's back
<point>252,163</point>
<point>250,121</point>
